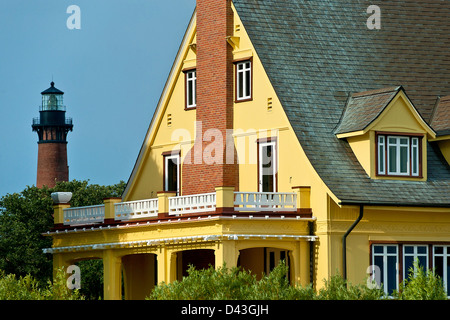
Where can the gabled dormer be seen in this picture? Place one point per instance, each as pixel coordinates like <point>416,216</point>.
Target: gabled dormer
<point>440,122</point>
<point>387,134</point>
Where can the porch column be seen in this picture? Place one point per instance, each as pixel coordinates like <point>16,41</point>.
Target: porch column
<point>167,265</point>
<point>226,252</point>
<point>59,261</point>
<point>300,261</point>
<point>112,275</point>
<point>304,263</point>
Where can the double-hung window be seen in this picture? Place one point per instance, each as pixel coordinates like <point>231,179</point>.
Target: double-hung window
<point>243,80</point>
<point>412,253</point>
<point>385,257</point>
<point>191,88</point>
<point>393,263</point>
<point>398,155</point>
<point>441,264</point>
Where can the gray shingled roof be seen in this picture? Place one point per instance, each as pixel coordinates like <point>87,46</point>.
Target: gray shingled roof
<point>316,52</point>
<point>441,116</point>
<point>364,107</point>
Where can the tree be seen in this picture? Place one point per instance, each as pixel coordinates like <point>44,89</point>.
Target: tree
<point>25,216</point>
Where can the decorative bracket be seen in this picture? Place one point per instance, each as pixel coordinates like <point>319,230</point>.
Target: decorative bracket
<point>233,41</point>
<point>193,46</point>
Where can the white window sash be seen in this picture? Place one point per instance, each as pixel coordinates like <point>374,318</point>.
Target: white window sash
<point>191,80</point>
<point>166,172</point>
<point>243,69</point>
<point>381,154</point>
<point>263,145</point>
<point>385,256</point>
<point>398,146</point>
<point>415,255</point>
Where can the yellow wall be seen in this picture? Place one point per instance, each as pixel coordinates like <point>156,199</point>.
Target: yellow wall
<point>382,224</point>
<point>444,145</point>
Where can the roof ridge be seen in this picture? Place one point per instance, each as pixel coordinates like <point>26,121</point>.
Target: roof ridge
<point>376,92</point>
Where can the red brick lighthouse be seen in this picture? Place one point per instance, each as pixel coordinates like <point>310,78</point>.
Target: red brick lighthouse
<point>52,128</point>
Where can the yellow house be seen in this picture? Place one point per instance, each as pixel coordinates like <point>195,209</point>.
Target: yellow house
<point>286,130</point>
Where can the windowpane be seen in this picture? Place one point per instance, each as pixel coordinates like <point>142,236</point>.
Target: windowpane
<point>392,159</point>
<point>447,278</point>
<point>439,266</point>
<point>421,249</point>
<point>409,249</point>
<point>381,156</point>
<point>404,161</point>
<point>247,83</point>
<point>391,274</point>
<point>415,156</point>
<point>392,249</point>
<point>407,267</point>
<point>378,249</point>
<point>240,85</point>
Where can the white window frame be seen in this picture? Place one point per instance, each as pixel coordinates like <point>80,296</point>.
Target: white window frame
<point>414,255</point>
<point>166,172</point>
<point>445,257</point>
<point>244,68</point>
<point>398,146</point>
<point>191,79</point>
<point>261,147</point>
<point>385,256</point>
<point>384,154</point>
<point>381,154</point>
<point>415,151</point>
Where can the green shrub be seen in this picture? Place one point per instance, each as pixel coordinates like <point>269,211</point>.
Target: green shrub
<point>337,288</point>
<point>28,288</point>
<point>231,284</point>
<point>421,285</point>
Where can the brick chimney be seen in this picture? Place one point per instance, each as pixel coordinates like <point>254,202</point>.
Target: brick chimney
<point>211,163</point>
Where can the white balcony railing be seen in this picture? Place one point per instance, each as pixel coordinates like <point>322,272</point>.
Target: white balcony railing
<point>265,201</point>
<point>84,215</point>
<point>191,204</point>
<point>206,202</point>
<point>140,209</point>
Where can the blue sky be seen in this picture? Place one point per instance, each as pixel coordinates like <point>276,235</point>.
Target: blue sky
<point>112,72</point>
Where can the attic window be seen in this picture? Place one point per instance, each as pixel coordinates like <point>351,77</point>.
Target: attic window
<point>191,88</point>
<point>243,80</point>
<point>399,155</point>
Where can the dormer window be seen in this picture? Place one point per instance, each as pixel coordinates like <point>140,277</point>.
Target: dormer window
<point>398,155</point>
